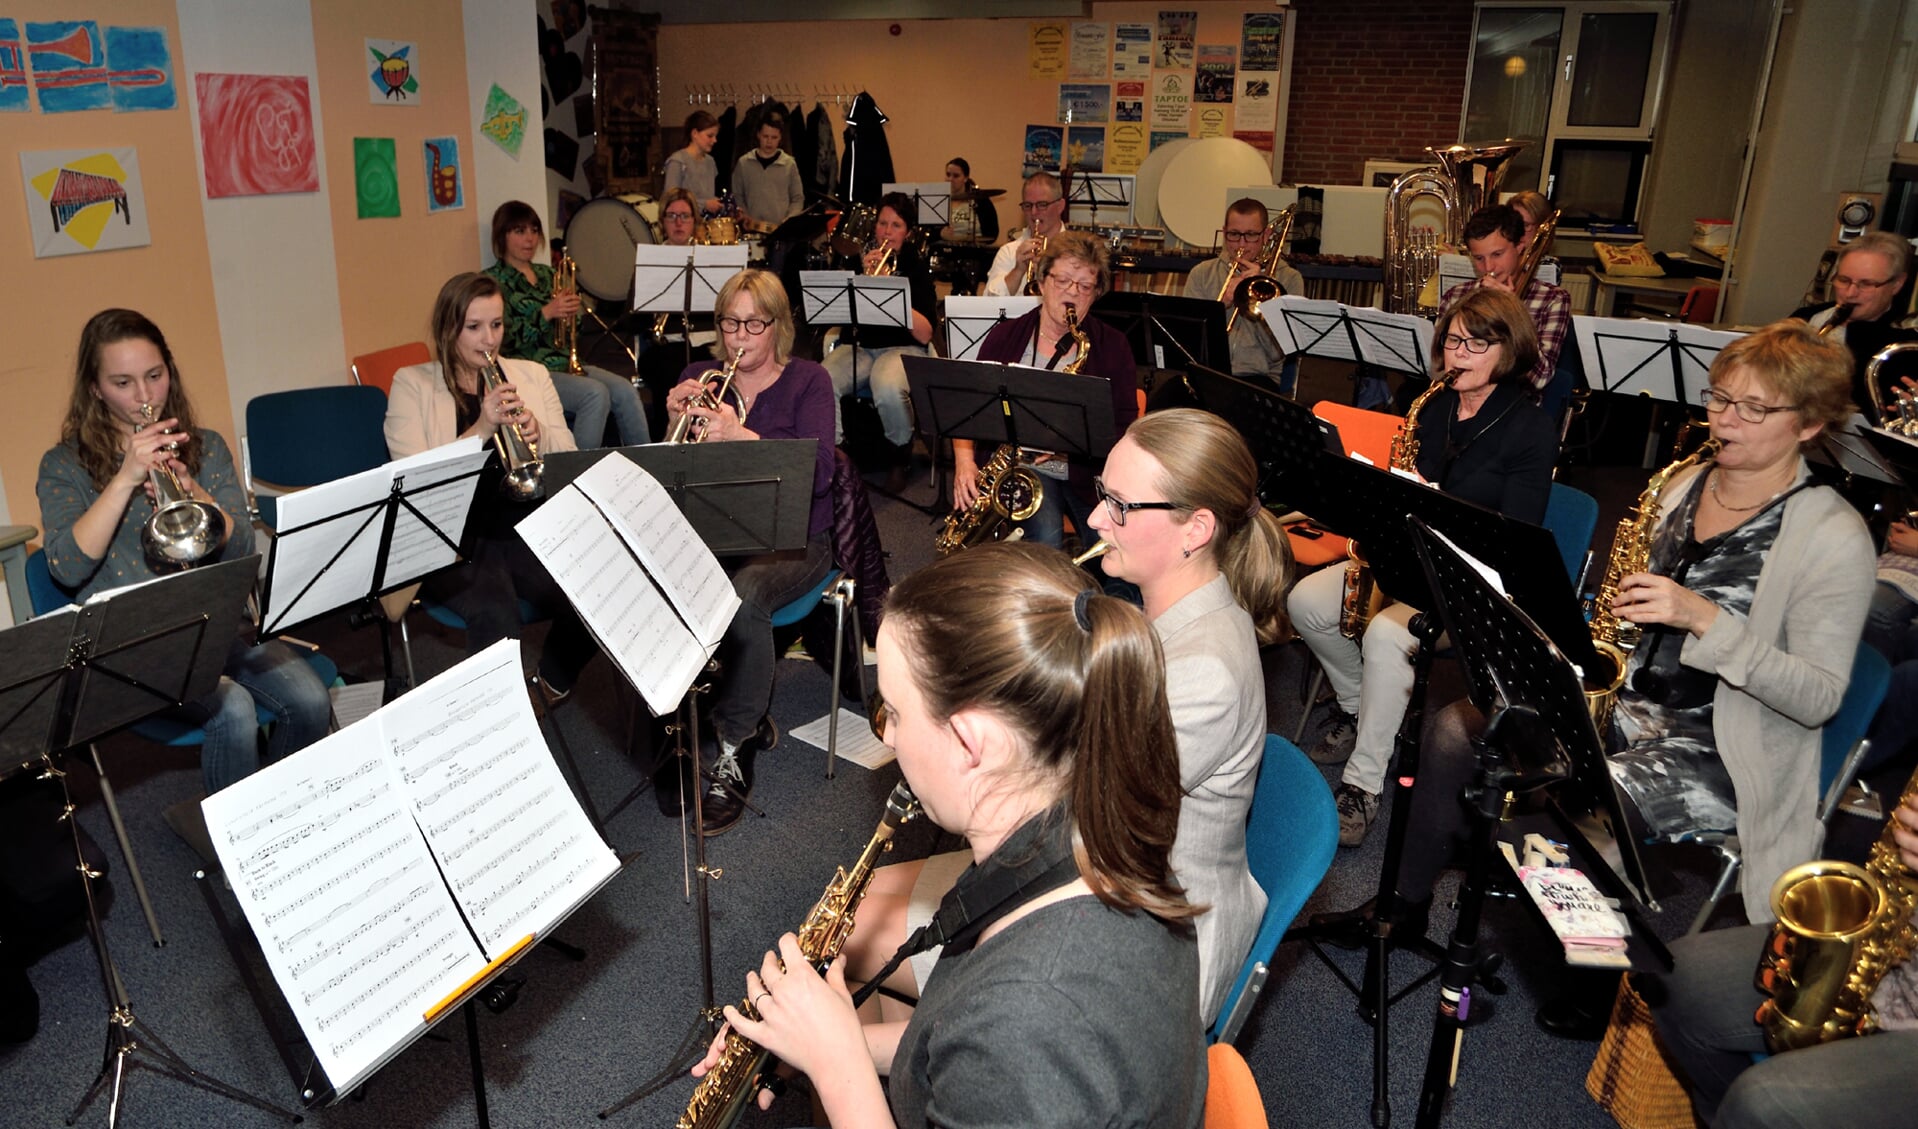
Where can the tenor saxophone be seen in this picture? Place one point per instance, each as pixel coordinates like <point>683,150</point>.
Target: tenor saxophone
<point>1840,929</point>
<point>1361,598</point>
<point>1009,492</point>
<point>721,1096</point>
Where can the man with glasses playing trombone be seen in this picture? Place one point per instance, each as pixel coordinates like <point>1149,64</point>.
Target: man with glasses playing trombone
<point>1868,278</point>
<point>1043,202</point>
<point>1242,249</point>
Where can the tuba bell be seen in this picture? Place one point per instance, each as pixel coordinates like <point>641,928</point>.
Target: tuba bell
<point>183,530</point>
<point>1465,179</point>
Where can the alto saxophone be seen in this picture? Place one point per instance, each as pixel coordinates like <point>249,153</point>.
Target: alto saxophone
<point>1008,493</point>
<point>721,1096</point>
<point>1361,599</point>
<point>1840,929</point>
<point>1613,637</point>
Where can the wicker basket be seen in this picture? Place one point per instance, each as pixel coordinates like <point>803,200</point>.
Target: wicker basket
<point>1630,1079</point>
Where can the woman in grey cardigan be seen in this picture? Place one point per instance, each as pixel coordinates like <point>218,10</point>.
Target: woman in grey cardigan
<point>1182,512</point>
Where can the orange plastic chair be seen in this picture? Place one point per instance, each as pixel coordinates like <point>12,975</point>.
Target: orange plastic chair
<point>1232,1098</point>
<point>1368,433</point>
<point>1699,304</point>
<point>377,369</point>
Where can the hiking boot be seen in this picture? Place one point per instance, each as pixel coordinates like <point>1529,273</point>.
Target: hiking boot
<point>1358,809</point>
<point>1335,743</point>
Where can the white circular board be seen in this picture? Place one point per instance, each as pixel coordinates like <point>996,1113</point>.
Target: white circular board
<point>1191,194</point>
<point>1145,186</point>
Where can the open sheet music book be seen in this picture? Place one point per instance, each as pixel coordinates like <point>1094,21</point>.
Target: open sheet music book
<point>643,582</point>
<point>383,867</point>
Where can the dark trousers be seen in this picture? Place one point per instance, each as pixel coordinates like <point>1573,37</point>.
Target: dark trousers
<point>765,583</point>
<point>486,591</point>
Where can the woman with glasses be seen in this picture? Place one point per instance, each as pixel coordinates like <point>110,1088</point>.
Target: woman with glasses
<point>660,365</point>
<point>774,395</point>
<point>1029,716</point>
<point>1043,204</point>
<point>872,356</point>
<point>1483,440</point>
<point>1182,512</point>
<point>1753,607</point>
<point>1073,272</point>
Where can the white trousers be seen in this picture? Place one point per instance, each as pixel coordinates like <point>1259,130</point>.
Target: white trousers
<point>1372,675</point>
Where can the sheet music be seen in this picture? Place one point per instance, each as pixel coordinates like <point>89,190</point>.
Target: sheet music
<point>659,275</point>
<point>635,625</point>
<point>969,319</point>
<point>299,589</point>
<point>652,526</point>
<point>358,929</point>
<point>1653,358</point>
<point>1399,342</point>
<point>509,837</point>
<point>1317,326</point>
<point>829,297</point>
<point>934,200</point>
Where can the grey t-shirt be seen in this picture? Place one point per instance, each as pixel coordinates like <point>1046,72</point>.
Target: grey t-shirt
<point>1076,1014</point>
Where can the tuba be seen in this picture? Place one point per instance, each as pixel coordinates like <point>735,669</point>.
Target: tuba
<point>1465,179</point>
<point>1613,637</point>
<point>1362,599</point>
<point>183,530</point>
<point>1893,409</point>
<point>689,428</point>
<point>518,454</point>
<point>566,330</point>
<point>722,1095</point>
<point>1262,287</point>
<point>1840,928</point>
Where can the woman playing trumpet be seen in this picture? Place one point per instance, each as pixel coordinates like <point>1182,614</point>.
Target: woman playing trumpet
<point>1029,715</point>
<point>872,358</point>
<point>1482,440</point>
<point>95,499</point>
<point>773,395</point>
<point>435,403</point>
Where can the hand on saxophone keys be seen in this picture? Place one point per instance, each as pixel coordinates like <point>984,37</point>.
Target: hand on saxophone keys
<point>1647,598</point>
<point>803,1019</point>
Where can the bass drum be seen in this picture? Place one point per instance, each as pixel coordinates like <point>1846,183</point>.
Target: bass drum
<point>602,239</point>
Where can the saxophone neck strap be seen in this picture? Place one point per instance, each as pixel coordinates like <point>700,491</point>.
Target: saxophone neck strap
<point>1034,860</point>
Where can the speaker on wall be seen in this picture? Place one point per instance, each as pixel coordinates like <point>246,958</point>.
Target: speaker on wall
<point>1857,214</point>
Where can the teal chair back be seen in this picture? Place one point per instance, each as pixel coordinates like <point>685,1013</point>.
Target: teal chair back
<point>1572,516</point>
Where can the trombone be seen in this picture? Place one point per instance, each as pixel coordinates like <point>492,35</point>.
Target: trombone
<point>1253,292</point>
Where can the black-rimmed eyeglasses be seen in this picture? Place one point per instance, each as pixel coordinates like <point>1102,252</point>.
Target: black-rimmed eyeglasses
<point>753,326</point>
<point>1119,509</point>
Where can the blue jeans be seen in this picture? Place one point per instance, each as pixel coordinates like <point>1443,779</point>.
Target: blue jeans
<point>273,677</point>
<point>1889,624</point>
<point>592,397</point>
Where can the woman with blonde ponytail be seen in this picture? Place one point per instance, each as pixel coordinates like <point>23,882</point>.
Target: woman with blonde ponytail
<point>1029,714</point>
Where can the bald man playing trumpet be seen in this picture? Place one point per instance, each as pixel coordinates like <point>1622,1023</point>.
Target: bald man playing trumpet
<point>1495,240</point>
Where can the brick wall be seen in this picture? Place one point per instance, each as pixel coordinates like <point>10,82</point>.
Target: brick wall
<point>1373,79</point>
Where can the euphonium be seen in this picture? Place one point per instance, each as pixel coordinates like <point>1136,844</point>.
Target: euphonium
<point>723,1094</point>
<point>518,454</point>
<point>566,329</point>
<point>1613,637</point>
<point>1031,284</point>
<point>1901,414</point>
<point>1465,179</point>
<point>183,530</point>
<point>1840,928</point>
<point>1252,293</point>
<point>1362,599</point>
<point>1008,493</point>
<point>688,428</point>
<point>1084,343</point>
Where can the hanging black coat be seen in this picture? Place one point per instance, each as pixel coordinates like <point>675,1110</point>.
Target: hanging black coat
<point>867,164</point>
<point>723,146</point>
<point>823,173</point>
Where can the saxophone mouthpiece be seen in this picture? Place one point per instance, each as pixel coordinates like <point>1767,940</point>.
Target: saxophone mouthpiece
<point>1099,549</point>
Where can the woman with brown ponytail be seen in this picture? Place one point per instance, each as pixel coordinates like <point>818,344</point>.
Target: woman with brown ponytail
<point>1029,714</point>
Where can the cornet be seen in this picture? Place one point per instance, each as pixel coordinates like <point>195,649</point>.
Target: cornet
<point>518,454</point>
<point>888,262</point>
<point>684,427</point>
<point>183,530</point>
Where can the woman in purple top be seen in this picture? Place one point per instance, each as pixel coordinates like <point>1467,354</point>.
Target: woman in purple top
<point>1073,272</point>
<point>774,395</point>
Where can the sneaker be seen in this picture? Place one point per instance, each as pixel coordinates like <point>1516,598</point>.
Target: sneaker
<point>731,778</point>
<point>1334,745</point>
<point>1357,809</point>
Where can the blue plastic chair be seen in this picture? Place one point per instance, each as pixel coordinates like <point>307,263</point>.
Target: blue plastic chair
<point>843,592</point>
<point>1290,838</point>
<point>312,435</point>
<point>1842,749</point>
<point>1572,516</point>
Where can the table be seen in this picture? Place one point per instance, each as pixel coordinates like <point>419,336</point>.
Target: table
<point>1609,286</point>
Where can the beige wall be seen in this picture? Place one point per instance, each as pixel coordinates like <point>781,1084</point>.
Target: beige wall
<point>950,88</point>
<point>48,300</point>
<point>390,269</point>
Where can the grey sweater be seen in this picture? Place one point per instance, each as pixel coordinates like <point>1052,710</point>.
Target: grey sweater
<point>771,194</point>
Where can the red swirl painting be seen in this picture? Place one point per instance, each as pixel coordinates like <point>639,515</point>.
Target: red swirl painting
<point>256,134</point>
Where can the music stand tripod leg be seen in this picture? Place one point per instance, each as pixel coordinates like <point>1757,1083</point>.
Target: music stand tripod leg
<point>126,847</point>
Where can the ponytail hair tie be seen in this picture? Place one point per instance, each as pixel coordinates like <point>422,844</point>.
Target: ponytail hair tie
<point>1079,603</point>
<point>1252,508</point>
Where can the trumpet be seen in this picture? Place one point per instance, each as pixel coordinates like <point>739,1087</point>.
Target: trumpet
<point>518,454</point>
<point>1031,284</point>
<point>683,428</point>
<point>887,263</point>
<point>566,329</point>
<point>183,530</point>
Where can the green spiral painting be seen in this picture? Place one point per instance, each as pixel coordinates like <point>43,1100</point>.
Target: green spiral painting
<point>376,180</point>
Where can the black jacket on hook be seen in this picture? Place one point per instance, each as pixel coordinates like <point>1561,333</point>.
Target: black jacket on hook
<point>823,173</point>
<point>868,161</point>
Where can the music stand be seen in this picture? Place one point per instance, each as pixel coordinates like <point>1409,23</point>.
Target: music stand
<point>127,655</point>
<point>969,319</point>
<point>683,280</point>
<point>1360,334</point>
<point>837,297</point>
<point>1066,413</point>
<point>1092,191</point>
<point>931,202</point>
<point>1282,433</point>
<point>1663,360</point>
<point>741,498</point>
<point>1192,328</point>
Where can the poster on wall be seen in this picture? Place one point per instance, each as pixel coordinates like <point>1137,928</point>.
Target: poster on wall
<point>1090,46</point>
<point>13,69</point>
<point>1132,50</point>
<point>1259,40</point>
<point>393,74</point>
<point>1128,101</point>
<point>1086,148</point>
<point>503,121</point>
<point>82,200</point>
<point>1044,144</point>
<point>1258,101</point>
<point>78,65</point>
<point>1213,81</point>
<point>1085,101</point>
<point>139,69</point>
<point>1046,50</point>
<point>68,58</point>
<point>1174,51</point>
<point>1172,101</point>
<point>1125,147</point>
<point>444,192</point>
<point>1212,121</point>
<point>1161,136</point>
<point>376,178</point>
<point>256,134</point>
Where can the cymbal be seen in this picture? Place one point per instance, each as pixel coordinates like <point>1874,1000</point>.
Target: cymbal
<point>987,193</point>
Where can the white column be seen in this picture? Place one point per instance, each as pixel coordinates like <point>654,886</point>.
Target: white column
<point>502,46</point>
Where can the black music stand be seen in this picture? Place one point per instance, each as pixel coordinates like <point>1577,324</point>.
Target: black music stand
<point>683,280</point>
<point>126,658</point>
<point>740,497</point>
<point>1360,334</point>
<point>848,299</point>
<point>1540,733</point>
<point>1283,434</point>
<point>969,319</point>
<point>1067,413</point>
<point>1162,328</point>
<point>1092,191</point>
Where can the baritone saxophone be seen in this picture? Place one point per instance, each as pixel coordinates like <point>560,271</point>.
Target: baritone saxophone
<point>722,1095</point>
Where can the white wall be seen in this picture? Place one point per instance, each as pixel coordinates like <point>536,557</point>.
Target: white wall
<point>275,283</point>
<point>502,46</point>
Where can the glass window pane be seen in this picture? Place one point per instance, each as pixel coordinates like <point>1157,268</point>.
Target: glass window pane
<point>1613,68</point>
<point>1513,62</point>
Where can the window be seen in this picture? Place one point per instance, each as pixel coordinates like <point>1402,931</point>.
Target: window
<point>1581,82</point>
